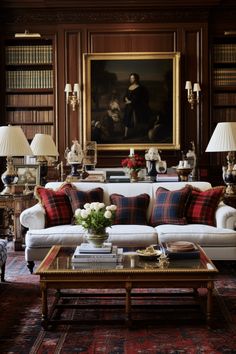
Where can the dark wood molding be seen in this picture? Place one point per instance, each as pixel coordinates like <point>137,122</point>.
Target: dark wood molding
<point>60,16</point>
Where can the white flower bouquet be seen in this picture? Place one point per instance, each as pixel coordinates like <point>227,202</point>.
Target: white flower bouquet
<point>95,217</point>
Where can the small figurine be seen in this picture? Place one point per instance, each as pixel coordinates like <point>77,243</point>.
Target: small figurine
<point>75,154</point>
<point>154,163</point>
<point>74,157</point>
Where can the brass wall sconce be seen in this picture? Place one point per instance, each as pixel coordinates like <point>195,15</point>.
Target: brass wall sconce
<point>72,97</point>
<point>192,98</point>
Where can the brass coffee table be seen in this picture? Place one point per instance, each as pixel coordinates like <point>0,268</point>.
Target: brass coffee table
<point>58,272</point>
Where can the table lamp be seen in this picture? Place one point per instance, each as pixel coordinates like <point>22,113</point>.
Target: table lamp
<point>43,145</point>
<point>224,139</point>
<point>13,142</point>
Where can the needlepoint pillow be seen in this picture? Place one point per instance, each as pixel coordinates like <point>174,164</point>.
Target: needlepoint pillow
<point>202,206</point>
<point>78,198</point>
<point>169,206</point>
<point>130,210</point>
<point>56,204</point>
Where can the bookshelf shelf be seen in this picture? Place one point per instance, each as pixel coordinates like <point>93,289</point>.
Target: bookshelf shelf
<point>29,85</point>
<point>223,83</point>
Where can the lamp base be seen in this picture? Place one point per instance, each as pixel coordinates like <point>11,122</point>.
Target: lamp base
<point>9,177</point>
<point>229,177</point>
<point>6,190</point>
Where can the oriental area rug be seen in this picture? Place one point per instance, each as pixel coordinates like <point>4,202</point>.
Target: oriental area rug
<point>176,324</point>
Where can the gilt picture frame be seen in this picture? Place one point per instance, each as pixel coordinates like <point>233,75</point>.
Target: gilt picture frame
<point>27,174</point>
<point>154,121</point>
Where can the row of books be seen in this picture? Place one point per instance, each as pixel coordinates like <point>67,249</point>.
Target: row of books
<point>224,98</point>
<point>225,114</point>
<point>22,79</point>
<point>225,76</point>
<point>224,53</point>
<point>26,54</point>
<point>30,116</point>
<point>85,253</point>
<point>22,100</point>
<point>31,130</point>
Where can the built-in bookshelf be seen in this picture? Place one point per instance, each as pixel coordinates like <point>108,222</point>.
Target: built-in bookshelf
<point>223,83</point>
<point>224,78</point>
<point>29,80</point>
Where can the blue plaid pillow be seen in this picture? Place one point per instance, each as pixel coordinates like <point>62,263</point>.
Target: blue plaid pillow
<point>169,207</point>
<point>130,210</point>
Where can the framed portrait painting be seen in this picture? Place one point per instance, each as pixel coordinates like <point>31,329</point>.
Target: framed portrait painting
<point>132,99</point>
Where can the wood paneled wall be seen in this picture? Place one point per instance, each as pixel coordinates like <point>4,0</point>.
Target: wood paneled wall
<point>189,39</point>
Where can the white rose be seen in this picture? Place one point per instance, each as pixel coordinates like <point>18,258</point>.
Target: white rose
<point>84,214</point>
<point>113,207</point>
<point>93,205</point>
<point>101,205</point>
<point>78,212</point>
<point>108,214</point>
<point>88,211</point>
<point>97,207</point>
<point>87,206</point>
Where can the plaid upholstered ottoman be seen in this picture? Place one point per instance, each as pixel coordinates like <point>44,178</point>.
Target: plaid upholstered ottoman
<point>3,257</point>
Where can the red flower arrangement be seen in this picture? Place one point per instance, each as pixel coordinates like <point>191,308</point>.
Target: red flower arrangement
<point>134,162</point>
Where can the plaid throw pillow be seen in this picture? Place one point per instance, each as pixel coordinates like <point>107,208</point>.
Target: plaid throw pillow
<point>56,204</point>
<point>170,206</point>
<point>130,210</point>
<point>202,206</point>
<point>79,198</point>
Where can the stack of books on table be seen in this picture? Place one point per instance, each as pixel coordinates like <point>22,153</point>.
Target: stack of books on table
<point>86,253</point>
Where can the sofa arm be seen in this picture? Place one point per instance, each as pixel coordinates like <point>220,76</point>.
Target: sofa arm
<point>34,217</point>
<point>225,216</point>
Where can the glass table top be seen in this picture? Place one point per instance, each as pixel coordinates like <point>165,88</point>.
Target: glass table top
<point>60,259</point>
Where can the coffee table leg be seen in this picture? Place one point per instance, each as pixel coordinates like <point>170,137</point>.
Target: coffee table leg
<point>128,288</point>
<point>210,287</point>
<point>44,321</point>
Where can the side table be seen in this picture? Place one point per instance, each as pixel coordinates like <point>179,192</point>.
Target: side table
<point>12,205</point>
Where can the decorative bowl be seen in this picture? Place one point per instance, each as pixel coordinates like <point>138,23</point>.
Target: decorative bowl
<point>183,173</point>
<point>145,256</point>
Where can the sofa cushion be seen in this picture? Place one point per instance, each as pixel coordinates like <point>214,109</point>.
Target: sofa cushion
<point>169,206</point>
<point>78,198</point>
<point>130,210</point>
<point>202,205</point>
<point>132,235</point>
<point>56,204</point>
<point>68,235</point>
<point>204,235</point>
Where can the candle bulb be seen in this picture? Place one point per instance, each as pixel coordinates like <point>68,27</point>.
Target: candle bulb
<point>131,152</point>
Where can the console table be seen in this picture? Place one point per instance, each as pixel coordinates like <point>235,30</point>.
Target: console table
<point>11,207</point>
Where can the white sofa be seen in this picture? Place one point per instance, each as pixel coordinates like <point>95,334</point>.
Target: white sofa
<point>218,241</point>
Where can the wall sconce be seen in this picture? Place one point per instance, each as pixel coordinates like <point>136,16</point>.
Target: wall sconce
<point>72,97</point>
<point>192,99</point>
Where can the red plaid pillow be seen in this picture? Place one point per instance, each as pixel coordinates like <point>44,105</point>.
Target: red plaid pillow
<point>170,206</point>
<point>130,210</point>
<point>56,204</point>
<point>202,206</point>
<point>79,198</point>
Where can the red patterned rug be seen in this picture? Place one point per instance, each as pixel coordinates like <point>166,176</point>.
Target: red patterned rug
<point>177,329</point>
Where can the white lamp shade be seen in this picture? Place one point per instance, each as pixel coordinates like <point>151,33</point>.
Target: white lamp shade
<point>13,142</point>
<point>43,145</point>
<point>188,85</point>
<point>196,87</point>
<point>223,138</point>
<point>76,88</point>
<point>68,88</point>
